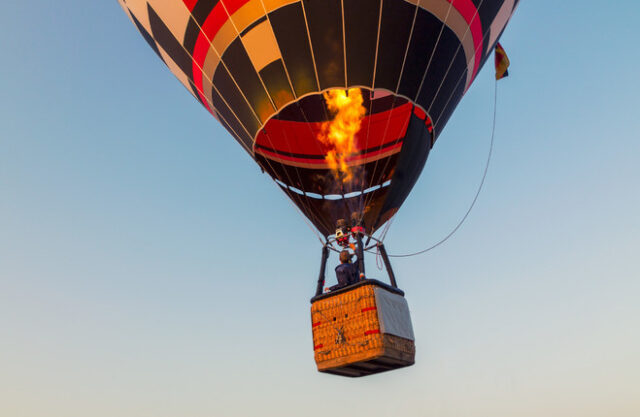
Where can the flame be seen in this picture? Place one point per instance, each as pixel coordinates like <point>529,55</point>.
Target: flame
<point>339,134</point>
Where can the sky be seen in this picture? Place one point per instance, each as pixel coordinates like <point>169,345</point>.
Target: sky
<point>148,268</point>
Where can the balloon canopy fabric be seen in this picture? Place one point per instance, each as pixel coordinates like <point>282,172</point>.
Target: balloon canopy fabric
<point>262,68</point>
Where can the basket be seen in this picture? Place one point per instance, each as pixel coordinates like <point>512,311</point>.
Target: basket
<point>362,329</point>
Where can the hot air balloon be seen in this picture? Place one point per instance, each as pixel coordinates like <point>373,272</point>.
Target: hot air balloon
<point>339,101</point>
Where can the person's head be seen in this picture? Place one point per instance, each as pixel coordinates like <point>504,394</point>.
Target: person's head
<point>345,257</point>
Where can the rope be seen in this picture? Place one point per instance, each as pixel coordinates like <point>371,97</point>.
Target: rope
<point>386,229</point>
<point>379,263</point>
<point>475,198</point>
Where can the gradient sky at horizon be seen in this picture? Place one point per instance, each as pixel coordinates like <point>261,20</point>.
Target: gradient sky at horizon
<point>148,268</point>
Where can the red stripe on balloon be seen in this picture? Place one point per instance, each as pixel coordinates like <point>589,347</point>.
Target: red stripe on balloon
<point>469,11</point>
<point>210,27</point>
<point>216,19</point>
<point>190,4</point>
<point>322,162</point>
<point>419,112</point>
<point>376,130</point>
<point>233,5</point>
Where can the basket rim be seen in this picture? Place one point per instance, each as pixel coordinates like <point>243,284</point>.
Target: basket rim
<point>356,285</point>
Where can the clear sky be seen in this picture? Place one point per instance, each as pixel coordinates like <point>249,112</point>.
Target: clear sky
<point>148,268</point>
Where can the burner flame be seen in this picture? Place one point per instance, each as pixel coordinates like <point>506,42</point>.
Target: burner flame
<point>339,134</point>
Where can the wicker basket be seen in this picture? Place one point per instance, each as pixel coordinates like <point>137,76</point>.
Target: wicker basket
<point>362,329</point>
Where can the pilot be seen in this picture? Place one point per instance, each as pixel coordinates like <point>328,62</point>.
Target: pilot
<point>347,273</point>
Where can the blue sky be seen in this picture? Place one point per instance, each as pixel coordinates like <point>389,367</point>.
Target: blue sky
<point>147,267</point>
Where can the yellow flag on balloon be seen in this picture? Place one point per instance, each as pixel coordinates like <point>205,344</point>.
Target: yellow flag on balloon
<point>502,62</point>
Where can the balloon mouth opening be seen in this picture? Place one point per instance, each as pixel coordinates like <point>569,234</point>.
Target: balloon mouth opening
<point>329,144</point>
<point>390,145</point>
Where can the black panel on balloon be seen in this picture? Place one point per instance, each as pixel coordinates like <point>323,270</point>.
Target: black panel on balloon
<point>397,17</point>
<point>325,28</point>
<point>361,36</point>
<point>147,36</point>
<point>441,117</point>
<point>309,109</point>
<point>232,95</point>
<point>168,42</point>
<point>237,125</point>
<point>293,41</point>
<point>277,83</point>
<point>292,113</point>
<point>239,134</point>
<point>423,41</point>
<point>386,103</point>
<point>448,61</point>
<point>411,160</point>
<point>239,64</point>
<point>487,12</point>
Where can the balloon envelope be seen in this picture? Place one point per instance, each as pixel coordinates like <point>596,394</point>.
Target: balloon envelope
<point>260,67</point>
